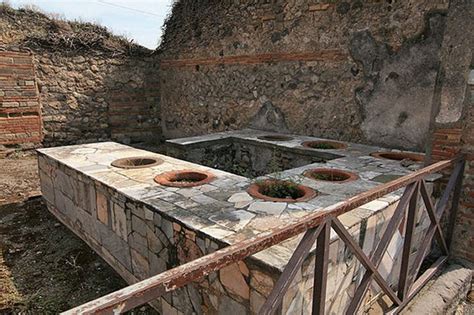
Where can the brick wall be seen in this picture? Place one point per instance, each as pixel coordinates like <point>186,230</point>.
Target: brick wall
<point>133,112</point>
<point>20,118</point>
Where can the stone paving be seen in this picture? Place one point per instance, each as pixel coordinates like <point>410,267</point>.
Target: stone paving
<point>142,228</point>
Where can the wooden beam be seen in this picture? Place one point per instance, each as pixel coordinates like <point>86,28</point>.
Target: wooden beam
<point>321,270</point>
<point>409,230</point>
<point>434,220</point>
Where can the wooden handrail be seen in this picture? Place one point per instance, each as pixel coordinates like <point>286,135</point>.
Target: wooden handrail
<point>153,287</point>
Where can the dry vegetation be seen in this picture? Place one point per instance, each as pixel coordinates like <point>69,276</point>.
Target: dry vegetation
<point>53,31</point>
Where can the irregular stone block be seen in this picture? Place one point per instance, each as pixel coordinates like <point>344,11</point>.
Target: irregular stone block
<point>119,221</point>
<point>157,264</point>
<point>229,306</point>
<point>139,243</point>
<point>102,208</point>
<point>140,265</point>
<point>256,301</point>
<point>261,282</point>
<point>47,188</point>
<point>154,243</point>
<point>233,280</point>
<point>117,247</point>
<point>64,183</point>
<point>138,225</point>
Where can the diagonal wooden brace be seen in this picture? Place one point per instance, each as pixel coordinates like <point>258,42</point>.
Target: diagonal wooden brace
<point>359,253</point>
<point>381,248</point>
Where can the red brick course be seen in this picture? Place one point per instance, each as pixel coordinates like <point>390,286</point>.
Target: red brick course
<point>129,112</point>
<point>326,55</point>
<point>20,117</point>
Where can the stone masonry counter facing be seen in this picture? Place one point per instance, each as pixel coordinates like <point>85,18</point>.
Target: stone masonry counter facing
<point>142,228</point>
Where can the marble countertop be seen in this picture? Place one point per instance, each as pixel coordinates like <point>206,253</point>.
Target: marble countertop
<point>222,209</point>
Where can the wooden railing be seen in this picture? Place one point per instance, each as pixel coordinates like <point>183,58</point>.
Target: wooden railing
<point>317,227</point>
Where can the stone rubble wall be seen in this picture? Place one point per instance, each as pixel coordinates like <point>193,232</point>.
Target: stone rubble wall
<point>93,86</point>
<point>139,242</point>
<point>361,71</point>
<point>20,116</point>
<point>88,98</point>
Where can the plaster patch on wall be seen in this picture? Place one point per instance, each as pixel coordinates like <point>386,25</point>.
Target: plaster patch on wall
<point>395,82</point>
<point>455,57</point>
<point>470,81</point>
<point>269,118</point>
<point>452,99</point>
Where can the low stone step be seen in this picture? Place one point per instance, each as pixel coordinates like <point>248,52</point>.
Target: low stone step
<point>442,294</point>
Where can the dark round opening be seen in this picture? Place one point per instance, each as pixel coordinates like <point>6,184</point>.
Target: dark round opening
<point>399,156</point>
<point>330,175</point>
<point>188,177</point>
<point>185,178</point>
<point>325,145</point>
<point>136,162</point>
<point>276,138</point>
<point>281,190</point>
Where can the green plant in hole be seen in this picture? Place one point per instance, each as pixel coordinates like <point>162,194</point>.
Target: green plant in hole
<point>322,146</point>
<point>277,188</point>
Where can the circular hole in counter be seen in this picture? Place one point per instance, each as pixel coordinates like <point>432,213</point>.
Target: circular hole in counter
<point>330,175</point>
<point>184,178</point>
<point>281,191</point>
<point>399,156</point>
<point>137,162</point>
<point>275,138</point>
<point>324,145</point>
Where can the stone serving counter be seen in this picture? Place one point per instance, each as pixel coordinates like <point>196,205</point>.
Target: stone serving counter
<point>142,228</point>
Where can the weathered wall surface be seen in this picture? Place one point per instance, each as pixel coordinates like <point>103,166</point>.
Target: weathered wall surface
<point>20,118</point>
<point>360,70</point>
<point>453,115</point>
<point>93,86</point>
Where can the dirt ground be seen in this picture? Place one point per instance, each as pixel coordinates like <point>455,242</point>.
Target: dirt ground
<point>44,268</point>
<point>18,177</point>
